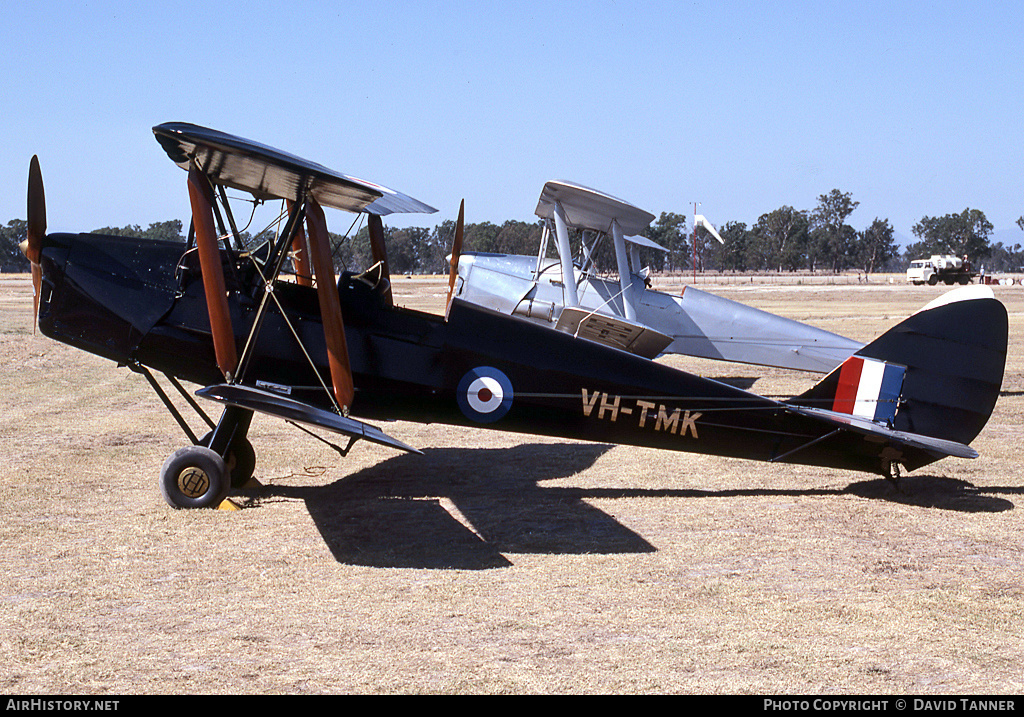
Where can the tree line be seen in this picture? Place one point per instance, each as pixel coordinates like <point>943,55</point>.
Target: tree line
<point>784,240</point>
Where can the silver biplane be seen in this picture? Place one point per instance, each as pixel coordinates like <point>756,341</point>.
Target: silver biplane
<point>567,294</point>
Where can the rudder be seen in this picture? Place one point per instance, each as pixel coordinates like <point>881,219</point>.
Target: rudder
<point>951,355</point>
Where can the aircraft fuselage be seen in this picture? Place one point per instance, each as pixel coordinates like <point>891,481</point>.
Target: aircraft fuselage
<point>141,301</point>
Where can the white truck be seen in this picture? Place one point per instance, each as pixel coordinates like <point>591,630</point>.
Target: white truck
<point>940,267</point>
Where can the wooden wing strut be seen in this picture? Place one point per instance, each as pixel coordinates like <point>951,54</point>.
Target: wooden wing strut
<point>330,305</point>
<point>201,196</point>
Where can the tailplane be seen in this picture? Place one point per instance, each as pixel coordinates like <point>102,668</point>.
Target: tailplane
<point>937,374</point>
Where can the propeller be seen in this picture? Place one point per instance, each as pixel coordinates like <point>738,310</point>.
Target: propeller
<point>375,227</point>
<point>456,251</point>
<point>32,247</point>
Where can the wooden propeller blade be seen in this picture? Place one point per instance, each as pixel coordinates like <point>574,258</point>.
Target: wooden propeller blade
<point>37,282</point>
<point>32,247</point>
<point>375,226</point>
<point>300,249</point>
<point>36,224</point>
<point>456,251</point>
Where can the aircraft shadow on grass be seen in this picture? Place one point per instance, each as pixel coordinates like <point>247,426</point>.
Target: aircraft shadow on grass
<point>465,508</point>
<point>930,491</point>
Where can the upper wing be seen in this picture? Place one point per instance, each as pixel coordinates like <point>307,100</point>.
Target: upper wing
<point>587,208</point>
<point>269,173</point>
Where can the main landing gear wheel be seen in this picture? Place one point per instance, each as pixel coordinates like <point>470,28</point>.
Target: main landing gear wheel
<point>194,477</point>
<point>240,461</point>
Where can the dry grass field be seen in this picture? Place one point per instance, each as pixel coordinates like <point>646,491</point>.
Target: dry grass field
<point>499,563</point>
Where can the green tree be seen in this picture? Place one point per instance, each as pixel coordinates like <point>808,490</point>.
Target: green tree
<point>966,233</point>
<point>875,246</point>
<point>353,253</point>
<point>129,230</point>
<point>832,239</point>
<point>732,255</point>
<point>1006,258</point>
<point>406,251</point>
<point>439,247</point>
<point>780,240</point>
<point>166,231</point>
<point>517,237</point>
<point>669,230</point>
<point>482,236</point>
<point>706,246</point>
<point>11,236</point>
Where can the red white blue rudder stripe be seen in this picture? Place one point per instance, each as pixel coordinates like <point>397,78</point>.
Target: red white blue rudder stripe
<point>869,388</point>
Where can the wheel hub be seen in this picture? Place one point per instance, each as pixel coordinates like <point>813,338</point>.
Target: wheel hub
<point>193,482</point>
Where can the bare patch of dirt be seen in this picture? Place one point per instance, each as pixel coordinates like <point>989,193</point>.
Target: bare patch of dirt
<point>498,563</point>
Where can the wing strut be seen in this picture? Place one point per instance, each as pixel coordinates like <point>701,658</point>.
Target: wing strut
<point>565,256</point>
<point>201,196</point>
<point>330,305</point>
<point>625,276</point>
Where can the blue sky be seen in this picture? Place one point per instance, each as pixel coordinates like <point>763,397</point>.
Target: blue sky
<point>914,108</point>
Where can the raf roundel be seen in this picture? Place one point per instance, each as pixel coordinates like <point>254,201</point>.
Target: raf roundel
<point>485,394</point>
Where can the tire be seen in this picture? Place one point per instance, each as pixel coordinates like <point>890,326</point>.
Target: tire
<point>194,477</point>
<point>933,280</point>
<point>240,461</point>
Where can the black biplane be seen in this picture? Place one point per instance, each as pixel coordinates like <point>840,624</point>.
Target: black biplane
<point>269,328</point>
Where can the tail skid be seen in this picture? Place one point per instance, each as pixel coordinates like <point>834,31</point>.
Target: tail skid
<point>929,384</point>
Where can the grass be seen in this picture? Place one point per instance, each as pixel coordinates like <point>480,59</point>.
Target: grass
<point>498,563</point>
